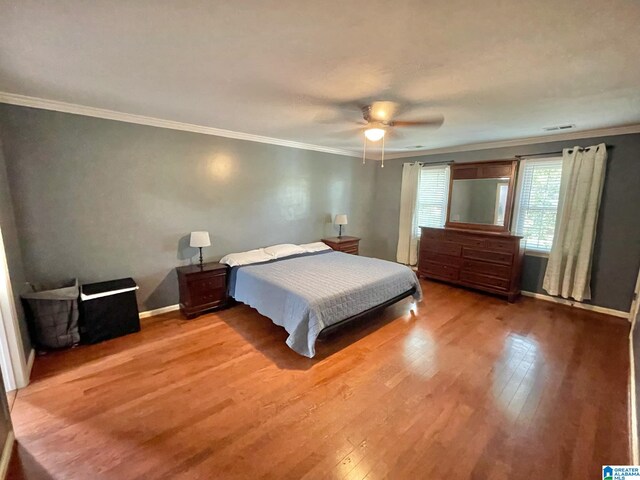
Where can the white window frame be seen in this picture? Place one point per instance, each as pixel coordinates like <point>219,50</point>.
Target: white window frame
<point>447,169</point>
<point>531,251</point>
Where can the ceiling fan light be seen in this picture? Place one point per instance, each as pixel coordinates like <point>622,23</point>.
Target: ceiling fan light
<point>374,134</point>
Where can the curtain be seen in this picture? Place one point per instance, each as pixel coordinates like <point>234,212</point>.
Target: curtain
<point>407,240</point>
<point>568,271</point>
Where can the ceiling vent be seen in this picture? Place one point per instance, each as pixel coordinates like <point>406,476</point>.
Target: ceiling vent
<point>559,127</point>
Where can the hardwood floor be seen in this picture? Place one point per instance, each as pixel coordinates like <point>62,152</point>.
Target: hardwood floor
<point>463,385</point>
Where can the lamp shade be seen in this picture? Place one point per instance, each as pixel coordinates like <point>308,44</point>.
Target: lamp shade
<point>341,219</point>
<point>199,239</point>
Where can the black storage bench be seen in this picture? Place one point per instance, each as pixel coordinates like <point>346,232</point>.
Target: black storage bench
<point>108,310</point>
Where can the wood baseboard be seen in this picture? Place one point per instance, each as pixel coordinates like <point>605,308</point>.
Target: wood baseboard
<point>573,303</point>
<point>7,451</point>
<point>30,360</point>
<point>158,311</point>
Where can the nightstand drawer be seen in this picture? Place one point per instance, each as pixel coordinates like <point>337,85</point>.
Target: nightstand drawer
<point>204,297</point>
<point>207,283</point>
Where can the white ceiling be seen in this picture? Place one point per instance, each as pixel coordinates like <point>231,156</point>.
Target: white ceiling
<point>497,70</point>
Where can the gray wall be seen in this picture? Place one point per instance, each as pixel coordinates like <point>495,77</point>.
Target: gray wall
<point>99,199</point>
<point>617,249</point>
<point>12,248</point>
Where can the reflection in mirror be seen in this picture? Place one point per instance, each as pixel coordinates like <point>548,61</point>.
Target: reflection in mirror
<point>479,200</point>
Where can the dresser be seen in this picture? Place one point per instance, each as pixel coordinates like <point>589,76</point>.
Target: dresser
<point>202,288</point>
<point>485,261</point>
<point>343,244</point>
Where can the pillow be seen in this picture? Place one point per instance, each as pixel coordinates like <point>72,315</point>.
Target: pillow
<point>314,247</point>
<point>284,250</point>
<point>246,258</point>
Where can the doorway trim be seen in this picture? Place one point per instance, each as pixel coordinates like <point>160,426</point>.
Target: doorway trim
<point>12,355</point>
<point>633,401</point>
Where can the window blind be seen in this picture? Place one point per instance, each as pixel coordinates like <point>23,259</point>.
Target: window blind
<point>538,202</point>
<point>432,198</point>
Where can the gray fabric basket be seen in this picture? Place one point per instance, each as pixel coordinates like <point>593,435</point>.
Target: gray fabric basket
<point>53,313</point>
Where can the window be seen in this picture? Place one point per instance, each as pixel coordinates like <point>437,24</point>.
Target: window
<point>539,191</point>
<point>432,197</point>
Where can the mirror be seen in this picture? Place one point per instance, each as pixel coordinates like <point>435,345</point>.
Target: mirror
<point>480,200</point>
<point>481,195</point>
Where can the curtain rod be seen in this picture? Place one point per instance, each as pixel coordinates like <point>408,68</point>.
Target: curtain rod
<point>559,152</point>
<point>544,154</point>
<point>430,163</point>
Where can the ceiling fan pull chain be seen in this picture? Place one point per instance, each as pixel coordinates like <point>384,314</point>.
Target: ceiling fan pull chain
<point>364,150</point>
<point>382,153</point>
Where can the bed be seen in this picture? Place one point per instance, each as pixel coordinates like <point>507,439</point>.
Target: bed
<point>313,293</point>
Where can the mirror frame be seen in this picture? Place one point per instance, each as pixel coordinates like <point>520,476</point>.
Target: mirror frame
<point>489,169</point>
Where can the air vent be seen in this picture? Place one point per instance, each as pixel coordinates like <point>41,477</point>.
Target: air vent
<point>559,127</point>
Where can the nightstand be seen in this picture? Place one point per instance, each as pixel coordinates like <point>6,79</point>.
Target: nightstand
<point>343,244</point>
<point>202,288</point>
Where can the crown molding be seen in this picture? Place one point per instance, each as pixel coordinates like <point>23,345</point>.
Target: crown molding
<point>519,142</point>
<point>65,107</point>
<point>57,106</point>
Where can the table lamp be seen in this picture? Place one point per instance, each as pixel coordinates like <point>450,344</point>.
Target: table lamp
<point>341,219</point>
<point>199,240</point>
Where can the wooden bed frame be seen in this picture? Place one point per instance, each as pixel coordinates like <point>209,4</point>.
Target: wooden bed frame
<point>325,332</point>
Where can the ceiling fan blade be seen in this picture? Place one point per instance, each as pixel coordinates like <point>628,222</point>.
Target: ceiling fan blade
<point>349,133</point>
<point>333,115</point>
<point>435,121</point>
<point>394,134</point>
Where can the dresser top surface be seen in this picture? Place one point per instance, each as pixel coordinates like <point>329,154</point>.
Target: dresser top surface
<point>207,267</point>
<point>343,239</point>
<point>475,232</point>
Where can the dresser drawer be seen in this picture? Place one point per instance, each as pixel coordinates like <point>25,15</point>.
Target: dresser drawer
<point>439,270</point>
<point>352,250</point>
<point>474,266</point>
<point>495,257</point>
<point>206,284</point>
<point>499,245</point>
<point>440,258</point>
<point>433,233</point>
<point>487,280</point>
<point>465,240</point>
<point>435,246</point>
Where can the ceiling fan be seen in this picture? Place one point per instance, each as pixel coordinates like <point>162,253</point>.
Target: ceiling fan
<point>380,119</point>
